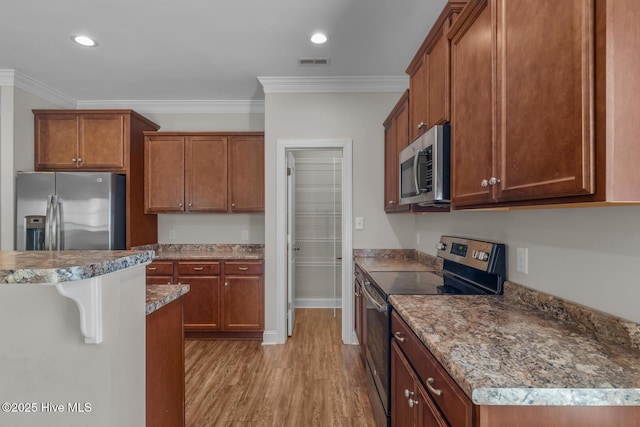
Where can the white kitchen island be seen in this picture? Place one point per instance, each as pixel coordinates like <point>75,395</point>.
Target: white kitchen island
<point>72,338</point>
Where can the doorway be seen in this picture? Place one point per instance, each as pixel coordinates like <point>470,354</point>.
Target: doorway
<point>314,231</point>
<point>328,254</point>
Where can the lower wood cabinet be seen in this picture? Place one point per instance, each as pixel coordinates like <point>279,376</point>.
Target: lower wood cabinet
<point>225,300</point>
<point>165,366</point>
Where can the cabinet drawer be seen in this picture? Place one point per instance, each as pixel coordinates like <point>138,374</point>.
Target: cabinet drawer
<point>243,267</point>
<point>160,268</point>
<point>205,268</point>
<point>159,280</point>
<point>452,401</point>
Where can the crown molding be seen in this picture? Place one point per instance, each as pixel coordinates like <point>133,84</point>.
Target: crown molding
<point>179,106</point>
<point>33,86</point>
<point>335,84</point>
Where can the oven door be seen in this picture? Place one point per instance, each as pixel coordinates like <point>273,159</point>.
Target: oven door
<point>377,352</point>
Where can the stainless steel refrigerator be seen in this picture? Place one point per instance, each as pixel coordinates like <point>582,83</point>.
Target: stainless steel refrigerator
<point>70,210</point>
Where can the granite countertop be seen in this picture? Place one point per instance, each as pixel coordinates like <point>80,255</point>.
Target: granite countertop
<point>177,252</point>
<point>63,266</point>
<point>501,351</point>
<point>160,295</point>
<point>395,260</point>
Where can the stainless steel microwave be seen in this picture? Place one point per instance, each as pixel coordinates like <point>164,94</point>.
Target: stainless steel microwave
<point>425,167</point>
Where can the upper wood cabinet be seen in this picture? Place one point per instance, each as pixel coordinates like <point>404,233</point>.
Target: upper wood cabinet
<point>104,141</point>
<point>396,137</point>
<point>429,71</point>
<point>533,105</point>
<point>201,172</point>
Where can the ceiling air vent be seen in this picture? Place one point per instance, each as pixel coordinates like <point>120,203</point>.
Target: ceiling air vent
<point>313,61</point>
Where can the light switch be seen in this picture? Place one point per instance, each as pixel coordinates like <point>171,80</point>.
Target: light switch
<point>359,223</point>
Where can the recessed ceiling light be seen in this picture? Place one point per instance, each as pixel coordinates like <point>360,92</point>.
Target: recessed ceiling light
<point>84,41</point>
<point>318,38</point>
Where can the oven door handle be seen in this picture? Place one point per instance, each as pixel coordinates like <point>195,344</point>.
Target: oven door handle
<point>416,172</point>
<point>381,307</point>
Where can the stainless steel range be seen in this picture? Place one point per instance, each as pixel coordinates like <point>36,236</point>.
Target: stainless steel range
<point>470,267</point>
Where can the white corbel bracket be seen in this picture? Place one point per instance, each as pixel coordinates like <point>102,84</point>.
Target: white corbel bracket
<point>87,294</point>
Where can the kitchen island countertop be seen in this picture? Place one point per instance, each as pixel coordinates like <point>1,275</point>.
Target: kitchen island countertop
<point>52,267</point>
<point>160,295</point>
<point>180,252</point>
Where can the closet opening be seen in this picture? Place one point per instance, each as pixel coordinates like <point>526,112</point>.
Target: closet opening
<point>314,227</point>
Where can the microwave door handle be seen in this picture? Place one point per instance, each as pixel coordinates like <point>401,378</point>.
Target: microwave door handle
<point>416,172</point>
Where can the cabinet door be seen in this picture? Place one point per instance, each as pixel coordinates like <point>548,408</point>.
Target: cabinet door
<point>418,100</point>
<point>56,141</point>
<point>438,89</point>
<point>202,302</point>
<point>206,173</point>
<point>403,408</point>
<point>163,174</point>
<point>396,138</point>
<point>101,142</point>
<point>243,303</point>
<point>545,98</point>
<point>246,173</point>
<point>472,109</point>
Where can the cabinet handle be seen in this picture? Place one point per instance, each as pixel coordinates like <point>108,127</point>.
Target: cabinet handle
<point>356,293</point>
<point>407,393</point>
<point>189,204</point>
<point>391,202</point>
<point>421,125</point>
<point>494,181</point>
<point>198,268</point>
<point>412,403</point>
<point>74,160</point>
<point>243,268</point>
<point>79,160</point>
<point>398,336</point>
<point>356,273</point>
<point>226,283</point>
<point>180,204</point>
<point>152,268</point>
<point>484,183</point>
<point>233,205</point>
<point>435,391</point>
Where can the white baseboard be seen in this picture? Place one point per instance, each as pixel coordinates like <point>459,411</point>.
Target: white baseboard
<point>269,338</point>
<point>318,303</point>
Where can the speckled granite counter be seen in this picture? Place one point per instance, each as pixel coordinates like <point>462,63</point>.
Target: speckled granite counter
<point>63,266</point>
<point>395,260</point>
<point>503,351</point>
<point>160,295</point>
<point>177,252</point>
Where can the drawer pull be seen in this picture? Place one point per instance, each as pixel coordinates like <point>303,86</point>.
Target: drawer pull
<point>412,403</point>
<point>152,268</point>
<point>226,283</point>
<point>407,393</point>
<point>398,336</point>
<point>435,391</point>
<point>243,268</point>
<point>198,268</point>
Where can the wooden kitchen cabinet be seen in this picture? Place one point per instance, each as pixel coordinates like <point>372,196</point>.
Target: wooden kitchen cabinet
<point>440,401</point>
<point>204,172</point>
<point>429,70</point>
<point>534,106</point>
<point>243,298</point>
<point>396,138</point>
<point>99,141</point>
<point>246,173</point>
<point>410,402</point>
<point>226,297</point>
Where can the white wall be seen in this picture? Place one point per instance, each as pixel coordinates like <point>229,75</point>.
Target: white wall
<point>209,228</point>
<point>587,255</point>
<point>357,117</point>
<point>17,151</point>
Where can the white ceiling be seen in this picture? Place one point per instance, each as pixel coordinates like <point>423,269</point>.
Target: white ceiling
<point>204,49</point>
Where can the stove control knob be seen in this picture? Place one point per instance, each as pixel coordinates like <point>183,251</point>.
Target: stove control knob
<point>474,254</point>
<point>483,256</point>
<point>441,246</point>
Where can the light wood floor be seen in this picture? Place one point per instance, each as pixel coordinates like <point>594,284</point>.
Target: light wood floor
<point>312,380</point>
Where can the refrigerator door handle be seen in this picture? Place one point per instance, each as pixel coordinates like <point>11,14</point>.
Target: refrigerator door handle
<point>47,225</point>
<point>56,222</point>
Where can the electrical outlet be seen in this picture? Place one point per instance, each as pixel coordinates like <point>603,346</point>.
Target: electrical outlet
<point>244,235</point>
<point>522,260</point>
<point>359,223</point>
<point>417,239</point>
<point>172,234</point>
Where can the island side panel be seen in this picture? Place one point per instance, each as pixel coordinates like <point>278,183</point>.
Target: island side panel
<point>45,362</point>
